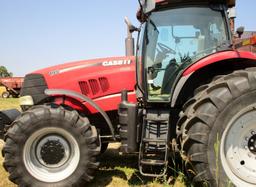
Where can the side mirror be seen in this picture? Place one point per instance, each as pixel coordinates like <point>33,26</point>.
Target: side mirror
<point>240,31</point>
<point>130,26</point>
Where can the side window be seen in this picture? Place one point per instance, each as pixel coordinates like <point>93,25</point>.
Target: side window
<point>214,32</point>
<point>217,32</point>
<point>187,39</point>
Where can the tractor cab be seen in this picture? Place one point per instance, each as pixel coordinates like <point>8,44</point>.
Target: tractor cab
<point>174,35</point>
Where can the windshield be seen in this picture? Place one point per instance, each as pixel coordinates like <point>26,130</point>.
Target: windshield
<point>176,38</point>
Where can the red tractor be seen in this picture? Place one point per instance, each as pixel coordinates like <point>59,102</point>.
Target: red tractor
<point>194,94</point>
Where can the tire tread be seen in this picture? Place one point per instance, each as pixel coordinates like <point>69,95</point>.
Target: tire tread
<point>195,123</point>
<point>16,132</point>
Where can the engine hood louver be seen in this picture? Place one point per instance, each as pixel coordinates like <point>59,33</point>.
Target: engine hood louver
<point>93,87</point>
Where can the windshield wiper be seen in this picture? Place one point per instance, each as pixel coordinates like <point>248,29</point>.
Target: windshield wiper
<point>146,30</point>
<point>154,25</point>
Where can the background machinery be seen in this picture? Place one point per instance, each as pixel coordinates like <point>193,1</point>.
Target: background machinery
<point>12,85</point>
<point>194,96</point>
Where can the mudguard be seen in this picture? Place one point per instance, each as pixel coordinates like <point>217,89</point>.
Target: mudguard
<point>204,62</point>
<point>76,95</point>
<point>6,118</point>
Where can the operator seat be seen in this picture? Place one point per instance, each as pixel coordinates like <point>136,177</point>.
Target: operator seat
<point>169,76</point>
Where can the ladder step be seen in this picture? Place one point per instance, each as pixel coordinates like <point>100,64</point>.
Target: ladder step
<point>157,120</point>
<point>153,162</point>
<point>154,140</point>
<point>154,145</point>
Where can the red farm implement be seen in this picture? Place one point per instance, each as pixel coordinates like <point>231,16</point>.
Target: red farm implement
<point>12,85</point>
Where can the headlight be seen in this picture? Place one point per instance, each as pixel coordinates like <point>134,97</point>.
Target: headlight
<point>26,100</point>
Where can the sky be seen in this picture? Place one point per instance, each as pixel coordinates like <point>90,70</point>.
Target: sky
<point>39,33</point>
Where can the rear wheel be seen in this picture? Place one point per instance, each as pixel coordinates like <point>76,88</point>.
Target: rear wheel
<point>5,95</point>
<point>49,146</point>
<point>217,131</point>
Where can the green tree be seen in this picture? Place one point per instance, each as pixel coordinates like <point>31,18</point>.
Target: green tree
<point>4,72</point>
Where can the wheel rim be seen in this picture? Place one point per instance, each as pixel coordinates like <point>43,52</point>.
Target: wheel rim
<point>238,148</point>
<point>5,95</point>
<point>51,154</point>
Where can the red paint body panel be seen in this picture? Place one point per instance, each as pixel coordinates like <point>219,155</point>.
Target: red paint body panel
<point>112,102</point>
<point>217,57</point>
<point>99,79</point>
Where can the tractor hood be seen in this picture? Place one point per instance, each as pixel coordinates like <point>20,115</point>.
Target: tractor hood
<point>86,65</point>
<point>94,78</point>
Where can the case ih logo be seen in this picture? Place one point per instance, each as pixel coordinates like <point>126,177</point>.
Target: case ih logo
<point>105,63</point>
<point>116,63</point>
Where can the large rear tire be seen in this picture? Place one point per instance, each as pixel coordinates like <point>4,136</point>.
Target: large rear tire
<point>217,131</point>
<point>51,146</point>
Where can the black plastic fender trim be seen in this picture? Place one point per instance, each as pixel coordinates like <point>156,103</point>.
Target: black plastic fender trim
<point>6,119</point>
<point>70,93</point>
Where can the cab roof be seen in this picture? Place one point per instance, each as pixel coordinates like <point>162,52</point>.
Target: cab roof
<point>149,5</point>
<point>228,2</point>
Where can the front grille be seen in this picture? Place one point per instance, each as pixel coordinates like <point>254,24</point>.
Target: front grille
<point>34,85</point>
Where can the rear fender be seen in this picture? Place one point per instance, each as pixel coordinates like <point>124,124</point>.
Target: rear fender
<point>234,57</point>
<point>218,57</point>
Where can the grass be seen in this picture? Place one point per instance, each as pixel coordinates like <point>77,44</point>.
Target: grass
<point>10,103</point>
<point>4,175</point>
<point>115,169</point>
<point>217,150</point>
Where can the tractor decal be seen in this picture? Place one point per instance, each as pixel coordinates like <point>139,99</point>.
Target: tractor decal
<point>116,63</point>
<point>105,63</point>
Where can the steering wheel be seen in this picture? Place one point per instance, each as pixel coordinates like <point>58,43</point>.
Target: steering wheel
<point>165,49</point>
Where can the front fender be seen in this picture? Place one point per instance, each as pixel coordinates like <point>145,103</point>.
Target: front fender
<point>83,98</point>
<point>6,118</point>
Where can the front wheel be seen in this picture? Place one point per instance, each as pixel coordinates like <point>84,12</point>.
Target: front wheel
<point>217,131</point>
<point>51,146</point>
<point>5,95</point>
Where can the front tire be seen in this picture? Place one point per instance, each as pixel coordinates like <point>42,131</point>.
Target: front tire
<point>51,146</point>
<point>217,131</point>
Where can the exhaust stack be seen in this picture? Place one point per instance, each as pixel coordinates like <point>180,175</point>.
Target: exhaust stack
<point>129,40</point>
